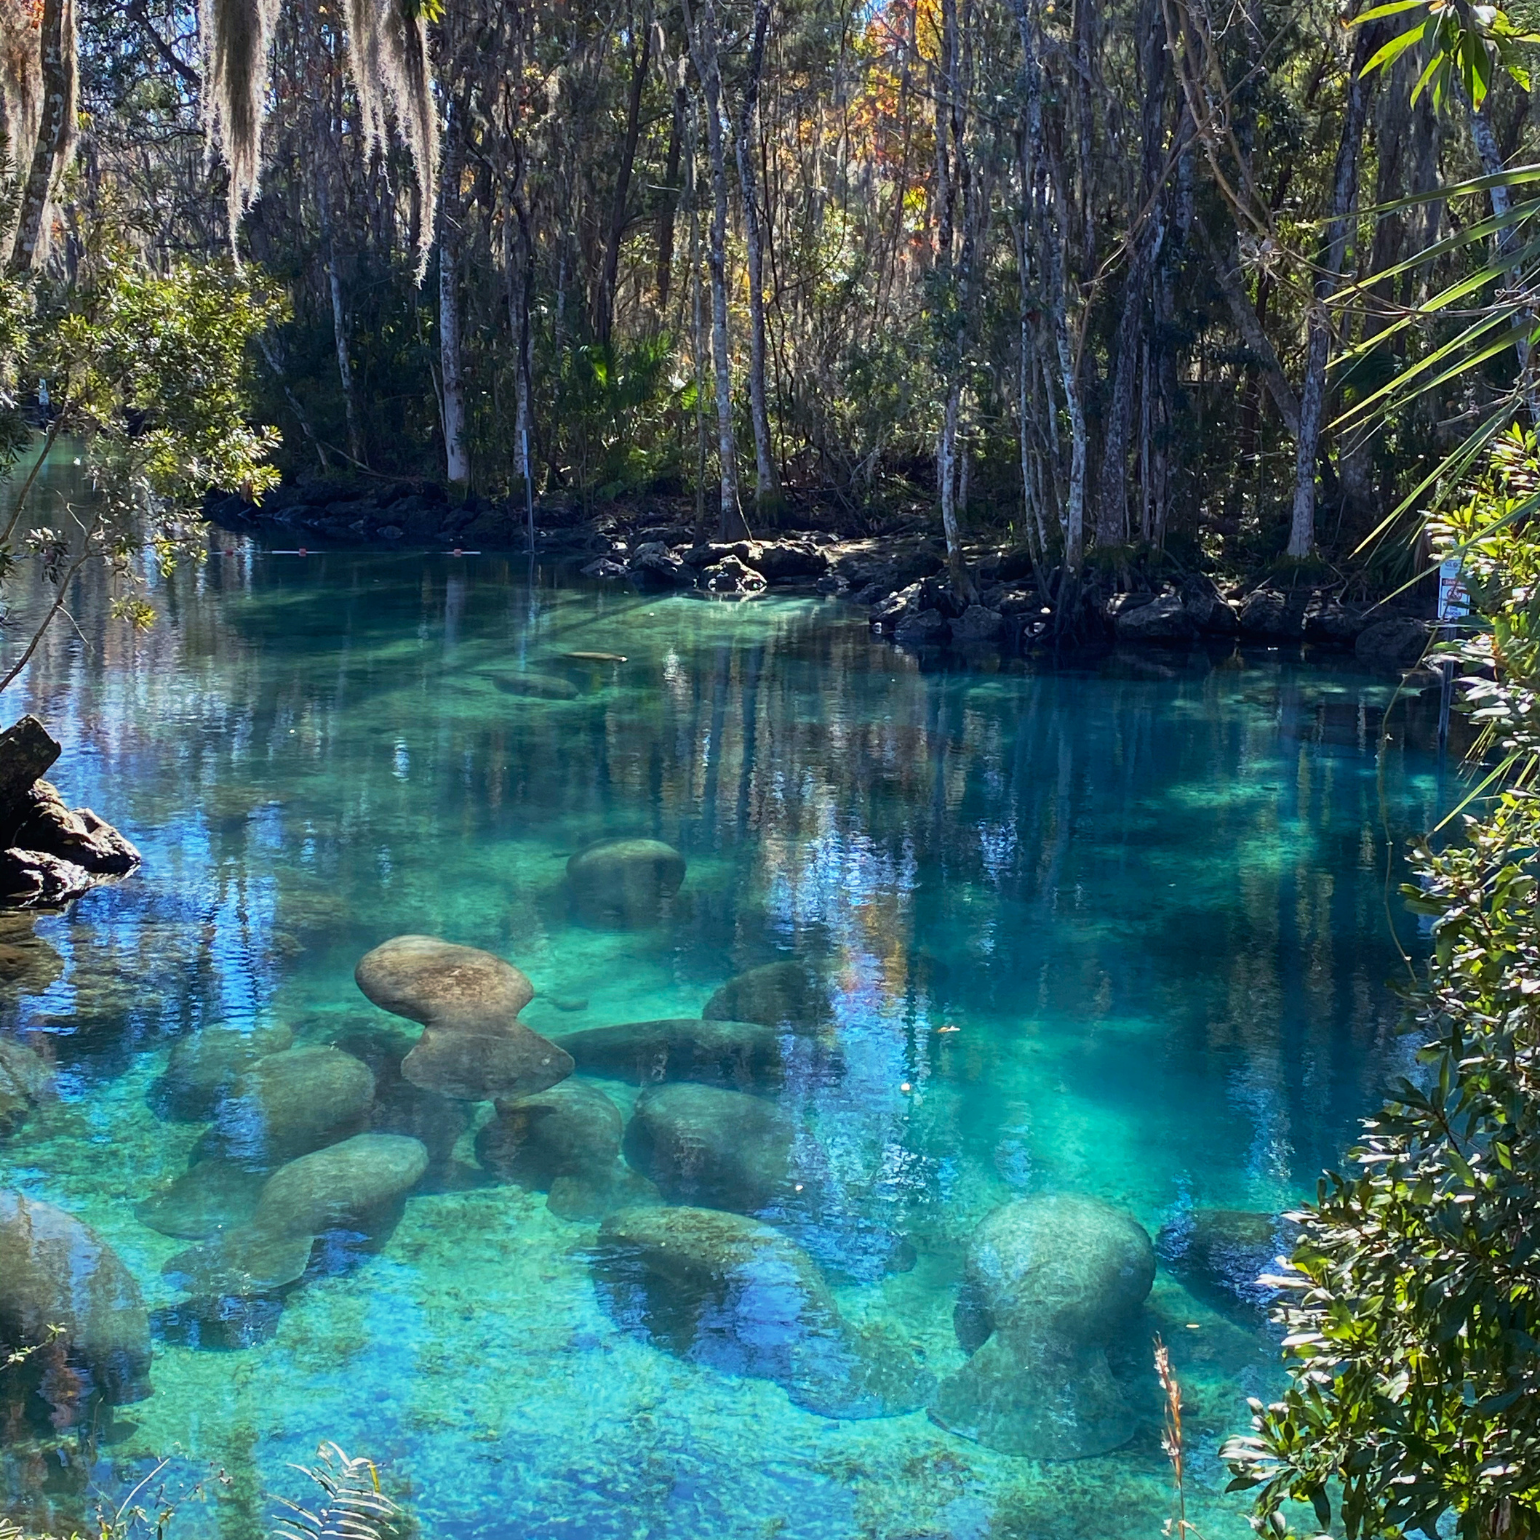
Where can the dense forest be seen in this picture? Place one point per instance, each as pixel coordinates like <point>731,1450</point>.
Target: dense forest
<point>1090,277</point>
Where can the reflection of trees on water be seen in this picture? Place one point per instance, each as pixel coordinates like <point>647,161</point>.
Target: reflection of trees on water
<point>1167,881</point>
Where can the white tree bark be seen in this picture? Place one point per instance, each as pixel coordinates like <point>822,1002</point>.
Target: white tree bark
<point>457,465</point>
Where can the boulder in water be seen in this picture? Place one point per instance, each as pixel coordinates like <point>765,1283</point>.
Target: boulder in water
<point>288,1104</point>
<point>739,1055</point>
<point>441,984</point>
<point>24,1077</point>
<point>740,1297</point>
<point>710,1147</point>
<point>354,1185</point>
<point>55,1272</point>
<point>203,1068</point>
<point>789,995</point>
<point>1047,1284</point>
<point>624,882</point>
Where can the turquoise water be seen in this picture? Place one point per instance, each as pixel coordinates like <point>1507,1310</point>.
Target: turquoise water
<point>1117,928</point>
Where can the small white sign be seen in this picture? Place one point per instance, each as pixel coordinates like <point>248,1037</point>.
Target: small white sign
<point>1453,597</point>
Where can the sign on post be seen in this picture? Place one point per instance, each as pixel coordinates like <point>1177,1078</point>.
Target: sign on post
<point>1453,597</point>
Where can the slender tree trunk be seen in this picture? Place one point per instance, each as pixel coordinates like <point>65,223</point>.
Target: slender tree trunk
<point>703,46</point>
<point>748,186</point>
<point>697,320</point>
<point>1312,398</point>
<point>334,285</point>
<point>457,467</point>
<point>55,134</point>
<point>670,204</point>
<point>604,309</point>
<point>518,262</point>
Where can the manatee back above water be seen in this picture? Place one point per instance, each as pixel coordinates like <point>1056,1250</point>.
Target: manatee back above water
<point>740,1297</point>
<point>55,1271</point>
<point>440,983</point>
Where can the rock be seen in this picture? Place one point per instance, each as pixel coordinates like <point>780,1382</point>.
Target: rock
<point>653,565</point>
<point>203,1068</point>
<point>921,628</point>
<point>1267,615</point>
<point>785,561</point>
<point>786,994</point>
<point>537,686</point>
<point>1393,645</point>
<point>1221,1253</point>
<point>889,611</point>
<point>39,820</point>
<point>1331,623</point>
<point>1122,604</point>
<point>27,753</point>
<point>1165,619</point>
<point>731,576</point>
<point>441,984</point>
<point>33,879</point>
<point>355,1186</point>
<point>623,883</point>
<point>738,1055</point>
<point>710,1147</point>
<point>1047,1283</point>
<point>978,626</point>
<point>213,1195</point>
<point>1203,601</point>
<point>741,1298</point>
<point>24,1078</point>
<point>288,1104</point>
<point>606,570</point>
<point>55,1272</point>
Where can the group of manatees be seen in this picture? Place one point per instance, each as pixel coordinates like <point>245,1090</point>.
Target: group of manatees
<point>699,1195</point>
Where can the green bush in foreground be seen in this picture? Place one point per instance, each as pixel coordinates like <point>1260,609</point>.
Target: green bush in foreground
<point>1412,1306</point>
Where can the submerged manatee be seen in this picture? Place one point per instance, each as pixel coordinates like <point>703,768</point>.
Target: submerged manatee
<point>354,1185</point>
<point>564,1142</point>
<point>737,1055</point>
<point>399,1106</point>
<point>1047,1283</point>
<point>287,1104</point>
<point>24,1077</point>
<point>1221,1253</point>
<point>203,1068</point>
<point>537,686</point>
<point>473,1046</point>
<point>739,1296</point>
<point>714,1148</point>
<point>625,882</point>
<point>213,1195</point>
<point>789,995</point>
<point>54,1271</point>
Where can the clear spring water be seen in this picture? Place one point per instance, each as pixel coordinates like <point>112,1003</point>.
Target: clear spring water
<point>1148,892</point>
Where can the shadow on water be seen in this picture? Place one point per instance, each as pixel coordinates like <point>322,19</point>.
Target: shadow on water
<point>1112,928</point>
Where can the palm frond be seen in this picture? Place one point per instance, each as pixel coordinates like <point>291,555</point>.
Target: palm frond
<point>353,1506</point>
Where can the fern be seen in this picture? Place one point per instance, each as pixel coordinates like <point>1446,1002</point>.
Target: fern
<point>353,1507</point>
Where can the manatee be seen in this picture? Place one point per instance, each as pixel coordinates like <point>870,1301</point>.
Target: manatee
<point>213,1195</point>
<point>204,1067</point>
<point>287,1104</point>
<point>399,1106</point>
<point>441,984</point>
<point>537,686</point>
<point>738,1055</point>
<point>789,995</point>
<point>486,1066</point>
<point>740,1297</point>
<point>24,1077</point>
<point>355,1184</point>
<point>623,883</point>
<point>1048,1282</point>
<point>54,1271</point>
<point>1221,1253</point>
<point>713,1148</point>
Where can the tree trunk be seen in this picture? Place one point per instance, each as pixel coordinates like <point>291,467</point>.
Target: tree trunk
<point>703,47</point>
<point>748,186</point>
<point>670,205</point>
<point>55,134</point>
<point>1312,398</point>
<point>604,308</point>
<point>518,262</point>
<point>457,467</point>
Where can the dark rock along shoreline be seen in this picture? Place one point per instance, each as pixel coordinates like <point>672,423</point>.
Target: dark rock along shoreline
<point>900,578</point>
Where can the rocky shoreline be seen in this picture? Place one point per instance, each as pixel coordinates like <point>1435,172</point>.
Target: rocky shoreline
<point>899,577</point>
